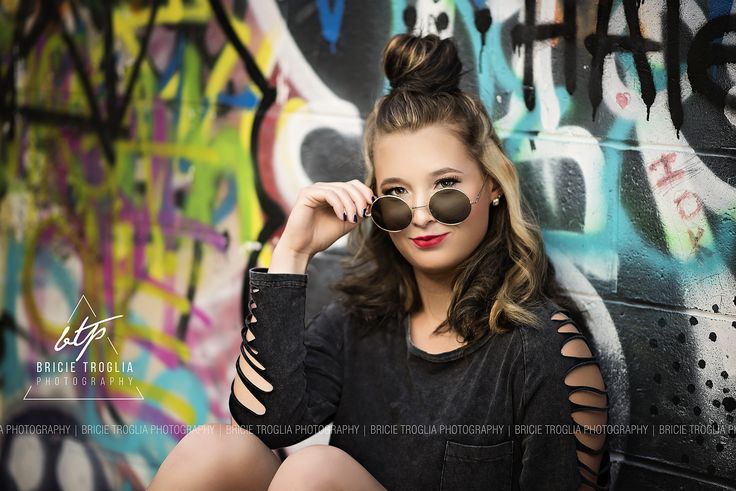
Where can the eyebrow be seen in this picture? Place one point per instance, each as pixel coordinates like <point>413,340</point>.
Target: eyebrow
<point>444,170</point>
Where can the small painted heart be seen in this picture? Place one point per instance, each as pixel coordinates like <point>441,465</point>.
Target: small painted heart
<point>623,98</point>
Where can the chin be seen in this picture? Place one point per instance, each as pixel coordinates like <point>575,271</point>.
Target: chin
<point>434,265</point>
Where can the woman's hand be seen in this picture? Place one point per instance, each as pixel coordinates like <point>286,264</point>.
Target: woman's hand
<point>324,212</point>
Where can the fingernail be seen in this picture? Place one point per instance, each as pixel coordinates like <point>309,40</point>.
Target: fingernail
<point>373,198</point>
<point>344,216</point>
<point>355,218</point>
<point>363,211</point>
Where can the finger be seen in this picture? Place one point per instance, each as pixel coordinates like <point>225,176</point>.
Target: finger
<point>366,191</point>
<point>323,193</point>
<point>347,207</point>
<point>363,195</point>
<point>343,191</point>
<point>356,196</point>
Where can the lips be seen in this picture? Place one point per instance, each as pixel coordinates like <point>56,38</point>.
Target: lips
<point>428,237</point>
<point>432,241</point>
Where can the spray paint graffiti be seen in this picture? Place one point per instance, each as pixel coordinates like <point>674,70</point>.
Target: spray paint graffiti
<point>151,154</point>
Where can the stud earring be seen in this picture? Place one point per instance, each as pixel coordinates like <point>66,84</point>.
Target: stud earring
<point>496,200</point>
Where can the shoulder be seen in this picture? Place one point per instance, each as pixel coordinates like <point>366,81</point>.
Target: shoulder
<point>543,336</point>
<point>556,344</point>
<point>330,322</point>
<point>561,351</point>
<point>334,312</point>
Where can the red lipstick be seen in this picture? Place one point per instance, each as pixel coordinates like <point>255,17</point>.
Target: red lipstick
<point>429,240</point>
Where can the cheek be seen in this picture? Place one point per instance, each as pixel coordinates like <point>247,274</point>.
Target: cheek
<point>473,229</point>
<point>399,239</point>
<point>477,221</point>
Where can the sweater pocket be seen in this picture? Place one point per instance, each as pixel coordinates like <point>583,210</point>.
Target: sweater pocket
<point>475,467</point>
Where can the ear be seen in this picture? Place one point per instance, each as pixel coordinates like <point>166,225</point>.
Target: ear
<point>494,190</point>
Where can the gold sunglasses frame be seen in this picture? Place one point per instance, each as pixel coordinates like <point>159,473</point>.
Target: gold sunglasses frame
<point>412,208</point>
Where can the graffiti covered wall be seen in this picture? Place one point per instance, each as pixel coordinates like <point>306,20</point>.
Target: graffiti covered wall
<point>151,151</point>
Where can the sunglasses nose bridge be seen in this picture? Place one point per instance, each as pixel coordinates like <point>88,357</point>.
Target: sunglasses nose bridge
<point>420,198</point>
<point>420,216</point>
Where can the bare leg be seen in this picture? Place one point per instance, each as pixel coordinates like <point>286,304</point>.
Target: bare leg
<point>219,457</point>
<point>323,467</point>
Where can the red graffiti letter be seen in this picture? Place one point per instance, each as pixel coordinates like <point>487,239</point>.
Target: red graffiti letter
<point>680,206</point>
<point>666,160</point>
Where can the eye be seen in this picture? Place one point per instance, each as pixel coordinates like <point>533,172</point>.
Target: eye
<point>390,191</point>
<point>450,179</point>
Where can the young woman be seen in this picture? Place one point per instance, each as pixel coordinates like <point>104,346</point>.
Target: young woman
<point>448,360</point>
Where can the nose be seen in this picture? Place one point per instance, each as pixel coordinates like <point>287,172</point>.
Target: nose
<point>421,216</point>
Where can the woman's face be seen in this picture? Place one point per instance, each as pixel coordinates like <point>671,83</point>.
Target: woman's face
<point>414,165</point>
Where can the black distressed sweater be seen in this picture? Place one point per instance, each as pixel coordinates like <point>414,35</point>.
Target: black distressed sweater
<point>493,414</point>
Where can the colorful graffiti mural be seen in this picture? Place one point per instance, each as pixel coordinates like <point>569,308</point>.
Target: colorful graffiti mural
<point>151,150</point>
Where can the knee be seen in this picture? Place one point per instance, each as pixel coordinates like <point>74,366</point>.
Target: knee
<point>215,450</point>
<point>214,443</point>
<point>311,467</point>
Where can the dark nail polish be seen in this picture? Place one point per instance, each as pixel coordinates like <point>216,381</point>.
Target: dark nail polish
<point>373,198</point>
<point>363,211</point>
<point>344,216</point>
<point>355,218</point>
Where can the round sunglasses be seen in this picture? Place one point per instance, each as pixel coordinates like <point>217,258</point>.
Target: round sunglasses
<point>449,206</point>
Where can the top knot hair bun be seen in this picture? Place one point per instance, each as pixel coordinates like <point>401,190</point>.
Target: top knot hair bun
<point>426,64</point>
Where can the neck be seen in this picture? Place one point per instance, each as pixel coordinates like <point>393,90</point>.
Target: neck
<point>435,292</point>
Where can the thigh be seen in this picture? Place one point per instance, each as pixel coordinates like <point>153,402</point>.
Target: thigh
<point>220,457</point>
<point>323,467</point>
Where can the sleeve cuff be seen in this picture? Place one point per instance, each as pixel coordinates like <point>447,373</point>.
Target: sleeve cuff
<point>260,276</point>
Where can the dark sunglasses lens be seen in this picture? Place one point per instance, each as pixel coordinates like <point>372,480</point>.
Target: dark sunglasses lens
<point>391,213</point>
<point>449,206</point>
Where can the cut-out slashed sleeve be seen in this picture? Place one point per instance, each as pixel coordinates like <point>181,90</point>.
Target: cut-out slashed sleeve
<point>565,393</point>
<point>289,376</point>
